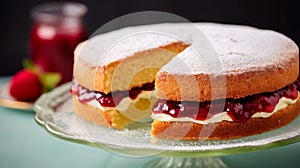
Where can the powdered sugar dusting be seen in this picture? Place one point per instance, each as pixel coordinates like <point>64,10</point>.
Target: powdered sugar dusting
<point>236,48</point>
<point>117,45</point>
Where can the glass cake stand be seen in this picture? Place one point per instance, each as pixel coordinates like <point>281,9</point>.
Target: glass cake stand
<point>54,111</point>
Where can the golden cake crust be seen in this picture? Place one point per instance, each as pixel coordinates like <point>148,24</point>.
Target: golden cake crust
<point>99,78</point>
<point>236,85</point>
<point>111,118</point>
<point>225,129</point>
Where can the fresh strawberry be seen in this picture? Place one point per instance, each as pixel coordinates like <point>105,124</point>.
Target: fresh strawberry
<point>26,86</point>
<point>29,83</point>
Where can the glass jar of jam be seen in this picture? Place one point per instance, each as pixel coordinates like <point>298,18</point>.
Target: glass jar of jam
<point>56,31</point>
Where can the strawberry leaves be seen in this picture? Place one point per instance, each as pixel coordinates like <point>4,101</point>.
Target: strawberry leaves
<point>49,80</point>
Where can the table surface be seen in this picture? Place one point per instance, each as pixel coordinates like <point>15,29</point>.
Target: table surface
<point>23,143</point>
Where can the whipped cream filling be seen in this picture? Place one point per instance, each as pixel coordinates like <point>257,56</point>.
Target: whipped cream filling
<point>124,104</point>
<point>283,103</point>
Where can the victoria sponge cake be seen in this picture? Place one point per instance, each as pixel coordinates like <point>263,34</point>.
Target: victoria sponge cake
<point>196,80</point>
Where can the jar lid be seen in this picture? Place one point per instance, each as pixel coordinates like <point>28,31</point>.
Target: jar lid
<point>52,11</point>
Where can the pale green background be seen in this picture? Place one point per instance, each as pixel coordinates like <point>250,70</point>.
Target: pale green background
<point>23,143</point>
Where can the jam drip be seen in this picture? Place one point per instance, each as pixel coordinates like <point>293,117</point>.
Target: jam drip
<point>239,110</point>
<point>111,99</point>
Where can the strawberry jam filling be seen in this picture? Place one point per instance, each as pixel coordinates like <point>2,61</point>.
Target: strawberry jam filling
<point>239,110</point>
<point>111,99</point>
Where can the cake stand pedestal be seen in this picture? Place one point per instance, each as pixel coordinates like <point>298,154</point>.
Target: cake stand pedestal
<point>178,162</point>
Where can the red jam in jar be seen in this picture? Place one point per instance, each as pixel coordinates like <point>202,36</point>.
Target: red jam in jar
<point>56,31</point>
